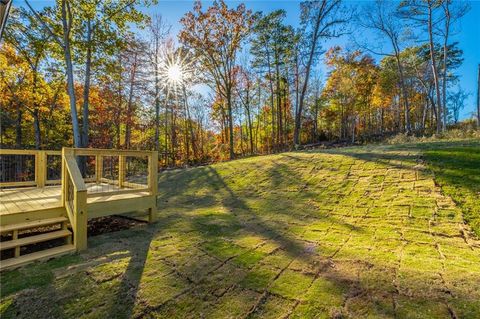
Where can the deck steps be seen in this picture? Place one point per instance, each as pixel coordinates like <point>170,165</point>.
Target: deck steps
<point>33,224</point>
<point>34,239</point>
<point>39,255</point>
<point>24,234</point>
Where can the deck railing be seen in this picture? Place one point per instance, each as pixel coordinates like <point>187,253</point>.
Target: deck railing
<point>29,168</point>
<point>122,178</point>
<point>117,171</point>
<point>83,174</point>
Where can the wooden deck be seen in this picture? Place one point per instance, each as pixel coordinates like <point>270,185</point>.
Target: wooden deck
<point>25,199</point>
<point>33,200</point>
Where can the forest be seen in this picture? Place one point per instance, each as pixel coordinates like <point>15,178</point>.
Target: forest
<point>232,82</point>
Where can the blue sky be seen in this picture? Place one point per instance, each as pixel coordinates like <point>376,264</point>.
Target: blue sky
<point>468,33</point>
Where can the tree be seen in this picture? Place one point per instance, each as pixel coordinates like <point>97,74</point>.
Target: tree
<point>272,48</point>
<point>104,23</point>
<point>348,91</point>
<point>246,94</point>
<point>320,20</point>
<point>159,31</point>
<point>452,12</point>
<point>14,73</point>
<point>456,100</point>
<point>382,17</point>
<point>478,97</point>
<point>422,13</point>
<point>33,108</point>
<point>213,37</point>
<point>32,44</point>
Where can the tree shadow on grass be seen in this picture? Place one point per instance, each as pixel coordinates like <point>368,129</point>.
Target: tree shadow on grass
<point>343,279</point>
<point>457,163</point>
<point>115,293</point>
<point>208,188</point>
<point>104,280</point>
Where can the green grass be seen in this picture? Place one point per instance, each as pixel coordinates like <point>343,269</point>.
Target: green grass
<point>457,171</point>
<point>361,232</point>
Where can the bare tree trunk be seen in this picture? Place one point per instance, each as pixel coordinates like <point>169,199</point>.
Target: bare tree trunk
<point>270,79</point>
<point>241,137</point>
<point>189,124</point>
<point>403,92</point>
<point>173,136</point>
<point>166,130</point>
<point>297,83</point>
<point>36,128</point>
<point>18,127</point>
<point>324,10</point>
<point>66,16</point>
<point>478,98</point>
<point>35,111</point>
<point>86,86</point>
<point>157,99</point>
<point>381,120</point>
<point>119,106</point>
<point>230,121</point>
<point>303,92</point>
<point>445,55</point>
<point>434,67</point>
<point>279,104</point>
<point>249,118</point>
<point>424,115</point>
<point>128,125</point>
<point>258,121</point>
<point>67,24</point>
<point>353,129</point>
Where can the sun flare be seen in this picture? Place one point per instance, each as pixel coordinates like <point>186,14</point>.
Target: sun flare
<point>175,73</point>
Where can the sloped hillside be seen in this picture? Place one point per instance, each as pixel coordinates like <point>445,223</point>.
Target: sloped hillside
<point>349,233</point>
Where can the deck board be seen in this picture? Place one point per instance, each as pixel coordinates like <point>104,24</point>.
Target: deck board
<point>24,199</point>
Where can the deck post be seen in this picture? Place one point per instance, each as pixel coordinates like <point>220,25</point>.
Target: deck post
<point>81,219</point>
<point>98,168</point>
<point>121,170</point>
<point>63,178</point>
<point>41,168</point>
<point>153,183</point>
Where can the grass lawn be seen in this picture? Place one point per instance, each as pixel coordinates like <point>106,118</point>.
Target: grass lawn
<point>457,170</point>
<point>350,233</point>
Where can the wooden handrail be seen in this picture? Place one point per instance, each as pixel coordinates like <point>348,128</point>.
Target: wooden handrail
<point>74,172</point>
<point>40,168</point>
<point>78,213</point>
<point>9,151</point>
<point>107,152</point>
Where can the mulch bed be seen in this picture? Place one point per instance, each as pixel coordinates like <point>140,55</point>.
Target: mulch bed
<point>102,225</point>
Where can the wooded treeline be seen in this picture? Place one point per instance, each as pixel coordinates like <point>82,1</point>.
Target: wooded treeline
<point>105,74</point>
